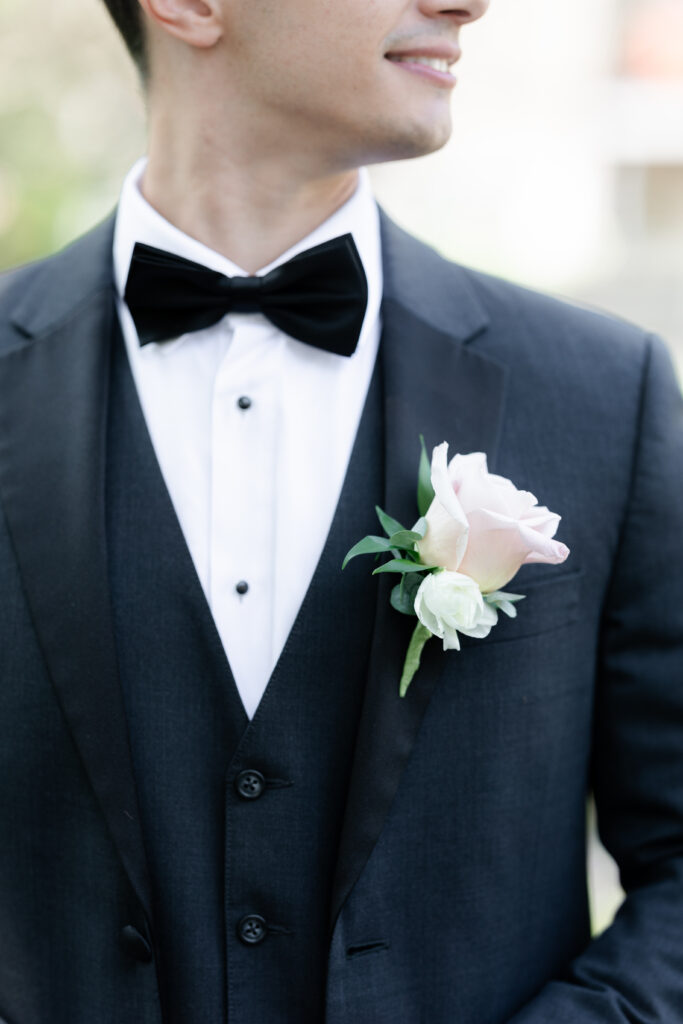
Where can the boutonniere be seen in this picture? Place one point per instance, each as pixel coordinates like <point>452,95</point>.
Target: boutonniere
<point>474,533</point>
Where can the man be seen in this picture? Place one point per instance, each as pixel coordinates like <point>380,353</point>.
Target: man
<point>215,805</point>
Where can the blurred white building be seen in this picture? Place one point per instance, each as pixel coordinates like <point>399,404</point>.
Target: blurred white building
<point>565,170</point>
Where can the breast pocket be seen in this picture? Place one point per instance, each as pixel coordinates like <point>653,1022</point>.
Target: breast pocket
<point>549,603</point>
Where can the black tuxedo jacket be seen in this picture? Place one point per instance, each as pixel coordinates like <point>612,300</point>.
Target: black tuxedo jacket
<point>459,892</point>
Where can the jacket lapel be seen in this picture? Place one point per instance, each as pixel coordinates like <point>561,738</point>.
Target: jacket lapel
<point>54,387</point>
<point>434,385</point>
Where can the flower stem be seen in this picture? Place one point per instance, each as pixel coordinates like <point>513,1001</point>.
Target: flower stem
<point>419,638</point>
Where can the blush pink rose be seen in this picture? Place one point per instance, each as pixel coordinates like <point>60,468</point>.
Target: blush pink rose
<point>479,524</point>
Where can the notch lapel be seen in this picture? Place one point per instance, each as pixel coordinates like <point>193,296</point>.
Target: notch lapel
<point>54,391</point>
<point>434,385</point>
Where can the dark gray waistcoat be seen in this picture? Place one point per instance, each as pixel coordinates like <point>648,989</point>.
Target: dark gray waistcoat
<point>218,855</point>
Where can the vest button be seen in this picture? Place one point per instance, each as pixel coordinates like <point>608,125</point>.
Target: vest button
<point>250,784</point>
<point>252,929</point>
<point>135,944</point>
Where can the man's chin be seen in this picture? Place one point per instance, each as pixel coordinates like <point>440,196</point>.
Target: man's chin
<point>426,130</point>
<point>387,140</point>
<point>421,141</point>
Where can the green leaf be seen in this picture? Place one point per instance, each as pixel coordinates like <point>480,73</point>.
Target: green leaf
<point>402,565</point>
<point>425,491</point>
<point>504,602</point>
<point>500,595</point>
<point>367,546</point>
<point>390,525</point>
<point>404,539</point>
<point>403,594</point>
<point>410,666</point>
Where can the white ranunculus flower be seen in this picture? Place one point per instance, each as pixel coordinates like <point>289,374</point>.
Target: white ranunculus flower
<point>450,602</point>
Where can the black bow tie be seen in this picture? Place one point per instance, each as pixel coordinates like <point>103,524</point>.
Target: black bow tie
<point>318,297</point>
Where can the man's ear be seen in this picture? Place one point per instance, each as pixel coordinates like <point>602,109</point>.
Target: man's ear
<point>195,22</point>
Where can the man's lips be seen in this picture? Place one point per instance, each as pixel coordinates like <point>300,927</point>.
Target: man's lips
<point>431,62</point>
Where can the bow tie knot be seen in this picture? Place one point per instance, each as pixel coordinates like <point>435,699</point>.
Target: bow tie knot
<point>319,296</point>
<point>245,293</point>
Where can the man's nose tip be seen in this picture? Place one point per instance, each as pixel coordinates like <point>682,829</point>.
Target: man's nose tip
<point>464,11</point>
<point>472,10</point>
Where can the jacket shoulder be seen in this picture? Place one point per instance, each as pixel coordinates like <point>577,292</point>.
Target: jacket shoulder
<point>38,295</point>
<point>15,285</point>
<point>583,366</point>
<point>14,281</point>
<point>512,321</point>
<point>556,323</point>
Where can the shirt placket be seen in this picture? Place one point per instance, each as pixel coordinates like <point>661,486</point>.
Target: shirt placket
<point>243,502</point>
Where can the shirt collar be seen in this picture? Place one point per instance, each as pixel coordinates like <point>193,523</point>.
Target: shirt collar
<point>138,221</point>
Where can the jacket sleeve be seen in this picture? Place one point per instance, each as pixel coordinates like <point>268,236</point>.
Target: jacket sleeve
<point>633,973</point>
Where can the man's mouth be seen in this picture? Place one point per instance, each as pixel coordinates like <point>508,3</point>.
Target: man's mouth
<point>437,63</point>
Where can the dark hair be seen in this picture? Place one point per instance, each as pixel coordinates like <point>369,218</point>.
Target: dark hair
<point>127,16</point>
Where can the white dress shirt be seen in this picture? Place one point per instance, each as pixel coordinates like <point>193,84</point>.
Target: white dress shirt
<point>254,484</point>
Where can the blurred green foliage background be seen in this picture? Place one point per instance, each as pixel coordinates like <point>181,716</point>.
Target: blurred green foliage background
<point>71,122</point>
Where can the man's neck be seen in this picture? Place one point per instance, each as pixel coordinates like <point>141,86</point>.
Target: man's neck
<point>249,212</point>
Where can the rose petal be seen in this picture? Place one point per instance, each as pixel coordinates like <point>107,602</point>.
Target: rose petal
<point>443,486</point>
<point>499,546</point>
<point>542,547</point>
<point>445,541</point>
<point>543,520</point>
<point>560,553</point>
<point>477,488</point>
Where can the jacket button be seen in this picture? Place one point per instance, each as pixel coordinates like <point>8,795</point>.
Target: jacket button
<point>135,944</point>
<point>250,784</point>
<point>252,929</point>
